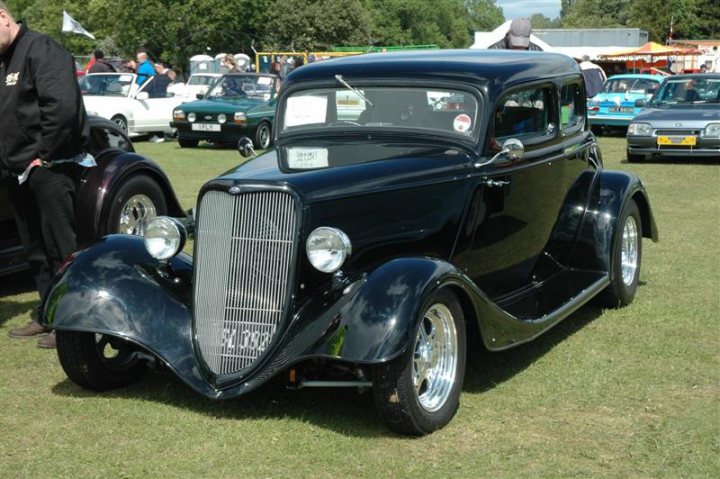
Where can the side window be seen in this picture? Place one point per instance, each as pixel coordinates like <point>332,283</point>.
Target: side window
<point>524,114</point>
<point>571,106</point>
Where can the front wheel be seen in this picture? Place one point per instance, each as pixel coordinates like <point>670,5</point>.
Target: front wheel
<point>625,259</point>
<point>138,200</point>
<point>263,136</point>
<point>419,392</point>
<point>97,361</point>
<point>121,121</point>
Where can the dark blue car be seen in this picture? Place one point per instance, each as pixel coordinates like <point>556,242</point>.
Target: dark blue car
<point>357,250</point>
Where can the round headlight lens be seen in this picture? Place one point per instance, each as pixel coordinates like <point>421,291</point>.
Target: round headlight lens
<point>164,237</point>
<point>191,117</point>
<point>327,249</point>
<point>222,118</point>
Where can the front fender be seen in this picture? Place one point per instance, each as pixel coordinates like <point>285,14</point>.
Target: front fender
<point>610,193</point>
<point>99,183</point>
<point>372,320</point>
<point>115,287</point>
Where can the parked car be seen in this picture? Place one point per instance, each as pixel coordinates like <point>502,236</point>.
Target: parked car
<point>138,110</point>
<point>237,105</point>
<point>615,105</point>
<point>197,84</point>
<point>356,251</point>
<point>120,195</point>
<point>682,119</point>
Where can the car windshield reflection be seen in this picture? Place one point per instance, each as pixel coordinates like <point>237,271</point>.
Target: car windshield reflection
<point>259,87</point>
<point>688,90</point>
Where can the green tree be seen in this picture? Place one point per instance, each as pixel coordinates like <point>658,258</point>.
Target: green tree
<point>538,20</point>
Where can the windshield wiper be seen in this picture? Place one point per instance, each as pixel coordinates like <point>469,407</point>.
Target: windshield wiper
<point>352,89</point>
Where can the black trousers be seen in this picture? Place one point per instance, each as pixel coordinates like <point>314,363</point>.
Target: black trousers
<point>44,209</point>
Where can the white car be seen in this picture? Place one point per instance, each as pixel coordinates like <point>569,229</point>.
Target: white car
<point>139,110</point>
<point>197,84</point>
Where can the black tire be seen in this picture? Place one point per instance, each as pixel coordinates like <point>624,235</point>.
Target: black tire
<point>135,202</point>
<point>263,136</point>
<point>624,277</point>
<point>412,411</point>
<point>121,121</point>
<point>185,143</point>
<point>98,362</point>
<point>634,158</point>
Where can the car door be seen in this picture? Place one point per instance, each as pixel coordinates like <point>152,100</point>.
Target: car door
<point>153,113</point>
<point>515,205</point>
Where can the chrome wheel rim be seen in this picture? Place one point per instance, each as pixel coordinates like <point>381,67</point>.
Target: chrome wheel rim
<point>264,136</point>
<point>136,213</point>
<point>435,357</point>
<point>629,251</point>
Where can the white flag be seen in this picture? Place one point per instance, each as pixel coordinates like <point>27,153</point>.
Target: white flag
<point>72,26</point>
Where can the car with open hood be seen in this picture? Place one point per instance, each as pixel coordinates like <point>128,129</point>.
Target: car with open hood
<point>681,120</point>
<point>615,105</point>
<point>356,251</point>
<point>236,105</point>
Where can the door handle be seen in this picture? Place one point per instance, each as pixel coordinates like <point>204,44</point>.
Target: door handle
<point>495,183</point>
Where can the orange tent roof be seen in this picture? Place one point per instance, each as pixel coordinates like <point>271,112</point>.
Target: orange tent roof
<point>652,49</point>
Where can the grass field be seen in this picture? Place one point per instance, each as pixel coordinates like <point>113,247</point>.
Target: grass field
<point>633,392</point>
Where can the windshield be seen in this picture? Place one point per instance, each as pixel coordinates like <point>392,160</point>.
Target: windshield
<point>688,90</point>
<point>632,85</point>
<point>259,87</point>
<point>201,80</point>
<point>107,85</point>
<point>446,111</point>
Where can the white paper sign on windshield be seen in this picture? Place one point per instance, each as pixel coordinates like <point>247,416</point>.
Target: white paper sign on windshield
<point>307,158</point>
<point>305,110</point>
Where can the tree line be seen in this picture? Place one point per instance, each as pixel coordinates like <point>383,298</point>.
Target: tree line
<point>174,30</point>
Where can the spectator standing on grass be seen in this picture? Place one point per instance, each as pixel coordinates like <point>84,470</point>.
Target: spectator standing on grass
<point>43,149</point>
<point>145,68</point>
<point>100,65</point>
<point>593,75</point>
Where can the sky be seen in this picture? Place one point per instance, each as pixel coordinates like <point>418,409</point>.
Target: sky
<point>525,8</point>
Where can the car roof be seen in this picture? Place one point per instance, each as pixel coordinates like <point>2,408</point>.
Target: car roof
<point>637,75</point>
<point>687,76</point>
<point>499,68</point>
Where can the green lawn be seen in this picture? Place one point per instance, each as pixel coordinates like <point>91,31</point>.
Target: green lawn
<point>633,392</point>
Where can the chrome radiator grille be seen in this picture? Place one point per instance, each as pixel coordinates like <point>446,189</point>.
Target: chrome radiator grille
<point>243,256</point>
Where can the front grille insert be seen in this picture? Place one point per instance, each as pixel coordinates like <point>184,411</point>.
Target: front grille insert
<point>676,132</point>
<point>245,245</point>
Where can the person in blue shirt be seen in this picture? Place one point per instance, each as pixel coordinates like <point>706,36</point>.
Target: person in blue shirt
<point>145,68</point>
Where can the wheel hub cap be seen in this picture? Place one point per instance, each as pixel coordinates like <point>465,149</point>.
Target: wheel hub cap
<point>138,210</point>
<point>629,251</point>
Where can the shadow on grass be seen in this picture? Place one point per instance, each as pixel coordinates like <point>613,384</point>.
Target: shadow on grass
<point>13,285</point>
<point>487,369</point>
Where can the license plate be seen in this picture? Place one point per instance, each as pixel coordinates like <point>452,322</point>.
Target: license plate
<point>677,140</point>
<point>205,127</point>
<point>621,109</point>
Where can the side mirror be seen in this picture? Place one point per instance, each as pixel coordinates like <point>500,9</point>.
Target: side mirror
<point>245,147</point>
<point>640,103</point>
<point>143,95</point>
<point>512,150</point>
<point>199,96</point>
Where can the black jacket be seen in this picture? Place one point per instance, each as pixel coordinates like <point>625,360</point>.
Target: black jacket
<point>41,109</point>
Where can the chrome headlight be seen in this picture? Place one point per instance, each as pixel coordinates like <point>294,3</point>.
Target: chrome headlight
<point>164,237</point>
<point>178,115</point>
<point>191,117</point>
<point>640,129</point>
<point>222,118</point>
<point>712,129</point>
<point>240,118</point>
<point>327,249</point>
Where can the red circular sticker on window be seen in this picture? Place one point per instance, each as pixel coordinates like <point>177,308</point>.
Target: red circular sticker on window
<point>462,123</point>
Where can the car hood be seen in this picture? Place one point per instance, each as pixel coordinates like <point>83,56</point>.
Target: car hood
<point>356,168</point>
<point>688,116</point>
<point>217,105</point>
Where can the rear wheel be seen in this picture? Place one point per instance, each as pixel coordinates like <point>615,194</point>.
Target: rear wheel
<point>138,200</point>
<point>419,392</point>
<point>185,143</point>
<point>626,258</point>
<point>97,361</point>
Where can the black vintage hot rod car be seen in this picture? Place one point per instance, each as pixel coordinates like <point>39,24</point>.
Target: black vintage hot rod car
<point>406,196</point>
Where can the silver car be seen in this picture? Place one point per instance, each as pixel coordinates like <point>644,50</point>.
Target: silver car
<point>682,119</point>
